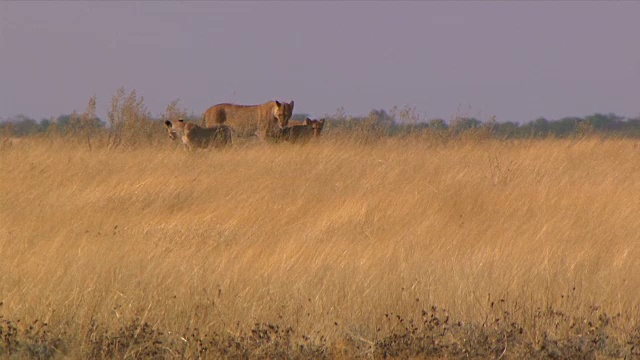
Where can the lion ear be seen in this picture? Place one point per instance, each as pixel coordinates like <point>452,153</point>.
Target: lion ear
<point>278,103</point>
<point>291,103</point>
<point>168,124</point>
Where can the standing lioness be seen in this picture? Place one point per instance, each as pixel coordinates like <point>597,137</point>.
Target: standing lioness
<point>248,120</point>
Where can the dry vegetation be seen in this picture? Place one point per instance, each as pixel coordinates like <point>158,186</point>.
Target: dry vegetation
<point>402,247</point>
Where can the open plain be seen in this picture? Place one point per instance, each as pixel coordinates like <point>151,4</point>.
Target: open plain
<point>406,246</point>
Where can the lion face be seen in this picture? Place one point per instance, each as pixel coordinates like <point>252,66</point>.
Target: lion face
<point>317,126</point>
<point>176,129</point>
<point>282,113</point>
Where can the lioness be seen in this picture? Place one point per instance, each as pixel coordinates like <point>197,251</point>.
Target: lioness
<point>195,136</point>
<point>301,130</point>
<point>317,125</point>
<point>264,120</point>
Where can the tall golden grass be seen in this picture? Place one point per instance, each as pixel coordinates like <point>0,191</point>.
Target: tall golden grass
<point>332,239</point>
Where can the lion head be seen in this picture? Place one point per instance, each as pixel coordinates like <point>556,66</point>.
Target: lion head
<point>282,113</point>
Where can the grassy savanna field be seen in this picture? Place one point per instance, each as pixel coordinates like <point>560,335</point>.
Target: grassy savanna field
<point>404,246</point>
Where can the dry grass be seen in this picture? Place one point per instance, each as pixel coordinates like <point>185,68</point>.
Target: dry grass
<point>333,249</point>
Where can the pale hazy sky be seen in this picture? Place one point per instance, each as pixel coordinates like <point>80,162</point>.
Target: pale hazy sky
<point>515,60</point>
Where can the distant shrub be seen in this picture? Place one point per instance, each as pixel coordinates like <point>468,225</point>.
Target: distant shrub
<point>130,121</point>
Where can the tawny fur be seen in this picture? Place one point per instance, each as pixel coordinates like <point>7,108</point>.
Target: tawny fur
<point>195,136</point>
<point>301,131</point>
<point>263,120</point>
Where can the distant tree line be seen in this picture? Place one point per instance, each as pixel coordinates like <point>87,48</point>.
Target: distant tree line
<point>22,125</point>
<point>383,122</point>
<point>398,121</point>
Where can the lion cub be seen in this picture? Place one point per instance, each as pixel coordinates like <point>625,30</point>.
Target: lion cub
<point>195,136</point>
<point>302,130</point>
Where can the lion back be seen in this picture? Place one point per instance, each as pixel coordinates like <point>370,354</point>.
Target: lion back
<point>246,120</point>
